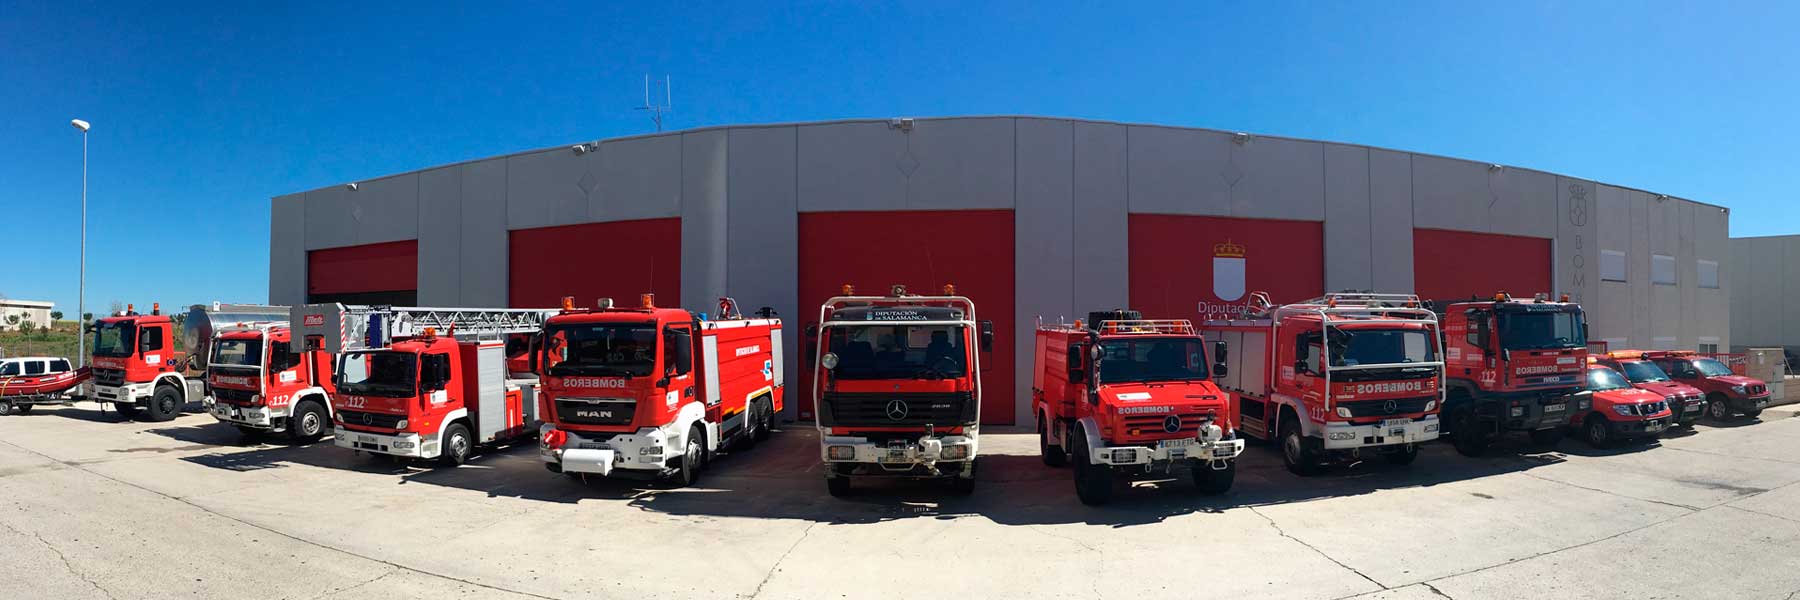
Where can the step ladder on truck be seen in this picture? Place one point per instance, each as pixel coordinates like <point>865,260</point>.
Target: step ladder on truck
<point>426,383</point>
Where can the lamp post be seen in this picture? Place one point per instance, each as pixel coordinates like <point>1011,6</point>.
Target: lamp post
<point>81,293</point>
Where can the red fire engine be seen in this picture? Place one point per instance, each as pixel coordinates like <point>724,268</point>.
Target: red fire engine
<point>652,392</point>
<point>1513,365</point>
<point>1726,392</point>
<point>1125,396</point>
<point>136,365</point>
<point>425,382</point>
<point>1336,376</point>
<point>261,383</point>
<point>897,391</point>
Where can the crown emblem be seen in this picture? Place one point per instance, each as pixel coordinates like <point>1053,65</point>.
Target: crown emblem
<point>1228,250</point>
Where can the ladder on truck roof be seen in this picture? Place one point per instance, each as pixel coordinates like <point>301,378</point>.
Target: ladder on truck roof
<point>334,327</point>
<point>1146,326</point>
<point>1363,307</point>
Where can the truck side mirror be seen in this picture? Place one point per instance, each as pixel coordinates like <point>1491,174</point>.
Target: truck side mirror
<point>812,331</point>
<point>1220,352</point>
<point>1077,365</point>
<point>987,336</point>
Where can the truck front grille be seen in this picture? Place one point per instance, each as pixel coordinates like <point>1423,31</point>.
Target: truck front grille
<point>109,377</point>
<point>1385,408</point>
<point>1158,427</point>
<point>596,411</point>
<point>231,396</point>
<point>370,419</point>
<point>897,409</point>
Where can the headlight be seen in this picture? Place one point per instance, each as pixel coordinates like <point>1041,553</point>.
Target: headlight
<point>403,444</point>
<point>956,452</point>
<point>1518,411</point>
<point>1739,389</point>
<point>401,424</point>
<point>1624,410</point>
<point>841,452</point>
<point>1124,455</point>
<point>650,450</point>
<point>1585,403</point>
<point>1342,435</point>
<point>1431,427</point>
<point>256,398</point>
<point>1430,404</point>
<point>1343,411</point>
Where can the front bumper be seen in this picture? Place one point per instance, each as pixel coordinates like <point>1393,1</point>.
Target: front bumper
<point>924,453</point>
<point>130,393</point>
<point>1639,428</point>
<point>1168,450</point>
<point>409,445</point>
<point>647,452</point>
<point>1746,404</point>
<point>260,417</point>
<point>1691,409</point>
<point>1346,436</point>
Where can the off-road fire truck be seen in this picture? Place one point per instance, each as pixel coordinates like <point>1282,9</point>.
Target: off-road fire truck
<point>1513,365</point>
<point>652,392</point>
<point>1727,393</point>
<point>136,365</point>
<point>425,383</point>
<point>1336,377</point>
<point>1620,411</point>
<point>261,382</point>
<point>1688,402</point>
<point>897,389</point>
<point>1123,396</point>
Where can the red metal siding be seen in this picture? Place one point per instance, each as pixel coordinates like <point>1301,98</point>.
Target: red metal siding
<point>1450,265</point>
<point>617,260</point>
<point>922,250</point>
<point>385,267</point>
<point>1194,267</point>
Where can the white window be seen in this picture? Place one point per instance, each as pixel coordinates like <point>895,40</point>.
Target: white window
<point>1709,274</point>
<point>1709,344</point>
<point>1662,269</point>
<point>1612,265</point>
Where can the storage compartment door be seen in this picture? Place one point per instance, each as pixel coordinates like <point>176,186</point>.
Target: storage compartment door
<point>489,411</point>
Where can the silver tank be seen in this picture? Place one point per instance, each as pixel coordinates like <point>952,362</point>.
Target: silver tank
<point>202,321</point>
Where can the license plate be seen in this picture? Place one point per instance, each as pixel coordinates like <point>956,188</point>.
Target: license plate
<point>367,439</point>
<point>591,446</point>
<point>1179,443</point>
<point>1555,408</point>
<point>1654,425</point>
<point>896,454</point>
<point>1761,402</point>
<point>1695,407</point>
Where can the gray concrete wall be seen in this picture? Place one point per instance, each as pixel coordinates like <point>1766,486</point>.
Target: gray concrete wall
<point>1072,185</point>
<point>1765,272</point>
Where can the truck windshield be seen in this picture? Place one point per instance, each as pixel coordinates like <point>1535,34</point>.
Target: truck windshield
<point>1643,371</point>
<point>115,338</point>
<point>1541,330</point>
<point>899,351</point>
<point>1600,380</point>
<point>237,353</point>
<point>1165,359</point>
<point>384,373</point>
<point>1711,368</point>
<point>619,349</point>
<point>1381,347</point>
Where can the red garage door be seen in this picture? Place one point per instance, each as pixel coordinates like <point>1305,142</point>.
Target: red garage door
<point>1453,265</point>
<point>1192,267</point>
<point>617,260</point>
<point>386,273</point>
<point>922,250</point>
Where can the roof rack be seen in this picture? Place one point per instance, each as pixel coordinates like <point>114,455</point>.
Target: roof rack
<point>1362,306</point>
<point>1147,327</point>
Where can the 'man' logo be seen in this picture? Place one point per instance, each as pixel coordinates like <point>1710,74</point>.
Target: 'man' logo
<point>1228,271</point>
<point>594,414</point>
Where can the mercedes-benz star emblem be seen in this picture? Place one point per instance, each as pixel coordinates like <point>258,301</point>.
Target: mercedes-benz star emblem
<point>368,419</point>
<point>1172,423</point>
<point>896,410</point>
<point>1390,406</point>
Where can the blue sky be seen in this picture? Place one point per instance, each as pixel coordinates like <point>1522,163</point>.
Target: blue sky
<point>203,112</point>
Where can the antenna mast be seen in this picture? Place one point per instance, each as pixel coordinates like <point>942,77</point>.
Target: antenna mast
<point>657,110</point>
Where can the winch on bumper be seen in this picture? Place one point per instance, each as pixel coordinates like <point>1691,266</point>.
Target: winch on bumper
<point>648,453</point>
<point>900,456</point>
<point>409,445</point>
<point>1388,432</point>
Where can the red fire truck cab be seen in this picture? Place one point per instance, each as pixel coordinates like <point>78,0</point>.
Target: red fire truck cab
<point>1127,397</point>
<point>1335,377</point>
<point>897,391</point>
<point>261,382</point>
<point>1727,393</point>
<point>425,383</point>
<point>1620,411</point>
<point>1687,401</point>
<point>137,367</point>
<point>651,392</point>
<point>1513,365</point>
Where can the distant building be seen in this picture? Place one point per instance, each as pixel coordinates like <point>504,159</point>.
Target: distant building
<point>38,313</point>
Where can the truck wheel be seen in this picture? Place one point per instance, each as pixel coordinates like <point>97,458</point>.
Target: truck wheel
<point>6,407</point>
<point>165,404</point>
<point>24,409</point>
<point>1053,455</point>
<point>457,445</point>
<point>964,483</point>
<point>1297,453</point>
<point>1403,456</point>
<point>129,411</point>
<point>1470,440</point>
<point>768,421</point>
<point>1547,437</point>
<point>307,424</point>
<point>1717,407</point>
<point>1597,432</point>
<point>691,458</point>
<point>752,426</point>
<point>1093,483</point>
<point>1214,482</point>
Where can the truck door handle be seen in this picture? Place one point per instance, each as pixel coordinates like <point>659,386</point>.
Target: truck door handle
<point>688,392</point>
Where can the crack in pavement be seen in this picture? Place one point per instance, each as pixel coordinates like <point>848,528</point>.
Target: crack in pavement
<point>1099,565</point>
<point>1761,513</point>
<point>380,577</point>
<point>1610,492</point>
<point>772,568</point>
<point>1434,590</point>
<point>286,534</point>
<point>1773,460</point>
<point>65,560</point>
<point>1322,553</point>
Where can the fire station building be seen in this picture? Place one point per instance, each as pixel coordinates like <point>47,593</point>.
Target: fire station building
<point>1028,216</point>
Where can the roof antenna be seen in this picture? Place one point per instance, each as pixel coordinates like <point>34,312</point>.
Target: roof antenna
<point>657,110</point>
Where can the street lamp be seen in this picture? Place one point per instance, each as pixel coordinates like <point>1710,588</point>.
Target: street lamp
<point>81,297</point>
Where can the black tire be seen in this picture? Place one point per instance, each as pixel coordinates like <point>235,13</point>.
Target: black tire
<point>1297,453</point>
<point>1214,482</point>
<point>839,485</point>
<point>6,407</point>
<point>963,483</point>
<point>165,404</point>
<point>1597,432</point>
<point>307,423</point>
<point>768,424</point>
<point>1717,407</point>
<point>1093,483</point>
<point>1547,437</point>
<point>24,409</point>
<point>128,411</point>
<point>753,422</point>
<point>1404,456</point>
<point>456,446</point>
<point>1054,456</point>
<point>693,458</point>
<point>1470,439</point>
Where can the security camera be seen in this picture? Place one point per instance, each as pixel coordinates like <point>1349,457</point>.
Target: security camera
<point>350,186</point>
<point>1240,138</point>
<point>579,148</point>
<point>902,124</point>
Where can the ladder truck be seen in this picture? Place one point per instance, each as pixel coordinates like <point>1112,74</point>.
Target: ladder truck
<point>425,383</point>
<point>1335,377</point>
